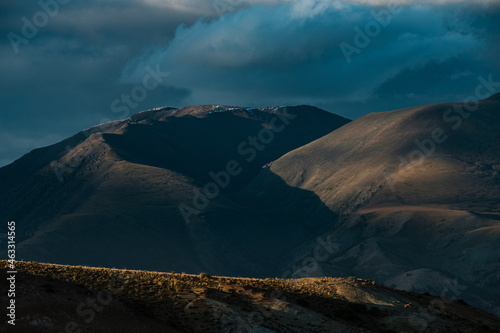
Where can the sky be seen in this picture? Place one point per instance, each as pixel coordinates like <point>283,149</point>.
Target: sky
<point>67,65</point>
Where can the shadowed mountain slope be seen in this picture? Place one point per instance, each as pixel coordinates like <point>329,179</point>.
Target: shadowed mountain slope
<point>409,198</point>
<point>418,191</point>
<point>392,158</point>
<point>110,195</point>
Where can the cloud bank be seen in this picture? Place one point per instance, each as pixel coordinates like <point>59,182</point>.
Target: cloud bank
<point>241,52</point>
<point>290,53</point>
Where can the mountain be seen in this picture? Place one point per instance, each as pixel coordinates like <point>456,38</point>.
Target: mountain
<point>418,195</point>
<point>407,198</point>
<point>123,194</point>
<point>55,297</point>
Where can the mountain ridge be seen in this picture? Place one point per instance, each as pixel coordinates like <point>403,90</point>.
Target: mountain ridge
<point>409,198</point>
<point>126,183</point>
<point>417,191</point>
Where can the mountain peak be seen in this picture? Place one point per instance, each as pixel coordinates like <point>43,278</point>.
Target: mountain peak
<point>205,110</point>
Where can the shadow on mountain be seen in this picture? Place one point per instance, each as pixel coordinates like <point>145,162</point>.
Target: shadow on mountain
<point>241,234</point>
<point>266,222</point>
<point>196,146</point>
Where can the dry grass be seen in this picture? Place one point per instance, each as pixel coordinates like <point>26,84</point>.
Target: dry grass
<point>204,303</point>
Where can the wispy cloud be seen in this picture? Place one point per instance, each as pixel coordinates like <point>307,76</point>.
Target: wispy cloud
<point>256,53</point>
<point>291,52</point>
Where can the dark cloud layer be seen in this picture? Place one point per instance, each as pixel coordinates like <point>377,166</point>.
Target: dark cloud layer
<point>91,53</point>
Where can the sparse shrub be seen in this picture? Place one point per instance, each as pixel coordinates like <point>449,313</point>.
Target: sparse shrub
<point>204,276</point>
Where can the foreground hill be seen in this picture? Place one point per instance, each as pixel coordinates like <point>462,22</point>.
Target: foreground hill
<point>110,195</point>
<point>51,297</point>
<point>418,192</point>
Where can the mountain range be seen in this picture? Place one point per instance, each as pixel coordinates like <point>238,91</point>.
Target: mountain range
<point>408,198</point>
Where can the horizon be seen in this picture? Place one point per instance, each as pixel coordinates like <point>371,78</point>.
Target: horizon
<point>235,106</point>
<point>250,165</point>
<point>69,65</point>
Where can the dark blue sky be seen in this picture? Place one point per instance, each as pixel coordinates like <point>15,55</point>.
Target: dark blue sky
<point>67,65</point>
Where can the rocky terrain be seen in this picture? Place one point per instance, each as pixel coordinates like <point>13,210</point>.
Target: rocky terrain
<point>51,298</point>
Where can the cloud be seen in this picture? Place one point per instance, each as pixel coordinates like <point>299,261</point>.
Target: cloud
<point>243,52</point>
<point>66,77</point>
<point>413,2</point>
<point>291,53</point>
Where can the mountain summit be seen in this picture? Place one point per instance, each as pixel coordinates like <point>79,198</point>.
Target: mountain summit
<point>418,192</point>
<point>409,198</point>
<point>125,193</point>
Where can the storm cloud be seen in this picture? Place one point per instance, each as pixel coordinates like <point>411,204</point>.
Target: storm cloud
<point>330,54</point>
<point>350,58</point>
